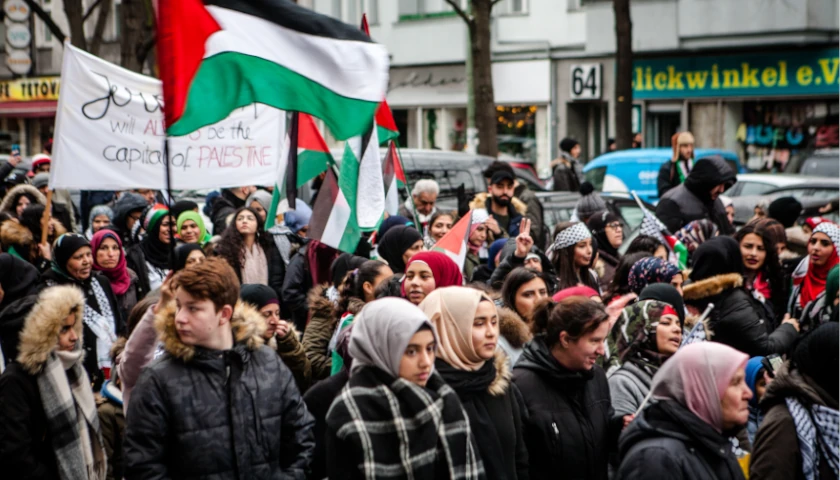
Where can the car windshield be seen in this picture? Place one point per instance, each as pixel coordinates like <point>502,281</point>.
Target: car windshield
<point>822,166</point>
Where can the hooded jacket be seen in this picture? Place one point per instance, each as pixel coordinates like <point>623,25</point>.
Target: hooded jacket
<point>776,451</point>
<point>567,416</point>
<point>198,413</point>
<point>668,442</point>
<point>738,319</point>
<point>516,210</point>
<point>20,241</point>
<point>60,211</point>
<point>691,200</point>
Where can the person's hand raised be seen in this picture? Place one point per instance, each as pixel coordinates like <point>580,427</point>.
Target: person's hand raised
<point>524,242</point>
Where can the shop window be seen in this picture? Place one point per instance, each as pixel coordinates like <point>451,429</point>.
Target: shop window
<point>517,131</point>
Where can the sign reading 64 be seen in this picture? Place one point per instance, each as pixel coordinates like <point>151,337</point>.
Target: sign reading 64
<point>585,81</point>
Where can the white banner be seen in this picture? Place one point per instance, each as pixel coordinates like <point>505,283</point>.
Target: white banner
<point>109,135</point>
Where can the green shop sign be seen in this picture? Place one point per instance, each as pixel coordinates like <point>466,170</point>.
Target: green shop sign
<point>812,72</point>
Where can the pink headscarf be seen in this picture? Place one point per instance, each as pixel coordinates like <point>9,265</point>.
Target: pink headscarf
<point>697,377</point>
<point>118,276</point>
<point>578,291</point>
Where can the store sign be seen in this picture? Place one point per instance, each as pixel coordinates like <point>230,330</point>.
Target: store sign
<point>16,10</point>
<point>19,62</point>
<point>18,36</point>
<point>799,72</point>
<point>30,89</point>
<point>585,81</point>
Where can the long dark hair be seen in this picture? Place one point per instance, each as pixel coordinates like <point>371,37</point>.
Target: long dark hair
<point>569,274</point>
<point>576,316</point>
<point>772,268</point>
<point>352,287</point>
<point>232,245</point>
<point>644,243</point>
<point>515,279</point>
<point>620,284</point>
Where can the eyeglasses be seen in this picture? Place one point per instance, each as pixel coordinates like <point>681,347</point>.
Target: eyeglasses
<point>615,225</point>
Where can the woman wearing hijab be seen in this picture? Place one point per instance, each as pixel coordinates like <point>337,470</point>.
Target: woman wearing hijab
<point>150,257</point>
<point>468,332</point>
<point>188,254</point>
<point>427,271</point>
<point>414,426</point>
<point>824,308</point>
<point>109,260</point>
<point>696,232</point>
<point>73,265</point>
<point>100,217</point>
<point>191,229</point>
<point>49,427</point>
<point>569,424</point>
<point>701,400</point>
<point>737,319</point>
<point>810,276</point>
<point>757,378</point>
<point>620,284</point>
<point>650,270</point>
<point>646,334</point>
<point>398,244</point>
<point>764,276</point>
<point>279,334</point>
<point>260,202</point>
<point>476,241</point>
<point>248,249</point>
<point>798,436</point>
<point>607,229</point>
<point>571,253</point>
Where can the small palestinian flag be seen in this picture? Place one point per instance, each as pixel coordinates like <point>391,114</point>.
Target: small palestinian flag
<point>455,242</point>
<point>333,222</point>
<point>227,54</point>
<point>393,175</point>
<point>385,125</point>
<point>652,226</point>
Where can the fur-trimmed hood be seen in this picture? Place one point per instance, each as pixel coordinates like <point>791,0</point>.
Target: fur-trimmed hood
<point>247,324</point>
<point>39,337</point>
<point>712,286</point>
<point>480,201</point>
<point>513,328</point>
<point>10,201</point>
<point>500,384</point>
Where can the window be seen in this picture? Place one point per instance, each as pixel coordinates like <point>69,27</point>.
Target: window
<point>355,9</point>
<point>336,9</point>
<point>372,10</point>
<point>517,6</point>
<point>415,9</point>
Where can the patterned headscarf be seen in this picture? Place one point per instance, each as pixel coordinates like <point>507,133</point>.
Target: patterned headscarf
<point>695,233</point>
<point>633,337</point>
<point>568,237</point>
<point>650,270</point>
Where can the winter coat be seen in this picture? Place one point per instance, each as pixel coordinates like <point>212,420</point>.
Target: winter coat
<point>668,177</point>
<point>514,333</point>
<point>494,418</point>
<point>567,174</point>
<point>508,261</point>
<point>276,270</point>
<point>318,400</point>
<point>60,212</point>
<point>321,327</point>
<point>52,278</point>
<point>568,418</point>
<point>112,421</point>
<point>197,413</point>
<point>139,352</point>
<point>471,263</point>
<point>738,319</point>
<point>291,352</point>
<point>605,268</point>
<point>690,201</point>
<point>629,385</point>
<point>534,213</point>
<point>294,290</point>
<point>19,241</point>
<point>776,451</point>
<point>516,209</point>
<point>136,262</point>
<point>668,442</point>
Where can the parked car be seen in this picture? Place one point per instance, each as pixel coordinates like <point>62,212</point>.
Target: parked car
<point>813,193</point>
<point>822,163</point>
<point>760,183</point>
<point>637,169</point>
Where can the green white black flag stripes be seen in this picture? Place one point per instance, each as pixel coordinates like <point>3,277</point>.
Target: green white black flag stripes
<point>333,222</point>
<point>361,179</point>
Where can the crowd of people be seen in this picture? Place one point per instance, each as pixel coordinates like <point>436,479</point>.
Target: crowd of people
<point>143,336</point>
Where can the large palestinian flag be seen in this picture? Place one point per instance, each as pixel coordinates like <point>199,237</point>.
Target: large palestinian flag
<point>220,55</point>
<point>333,222</point>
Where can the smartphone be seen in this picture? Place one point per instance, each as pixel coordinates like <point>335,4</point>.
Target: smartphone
<point>771,364</point>
<point>15,150</point>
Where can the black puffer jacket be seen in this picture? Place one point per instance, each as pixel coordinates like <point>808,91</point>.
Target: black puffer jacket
<point>568,425</point>
<point>691,201</point>
<point>197,413</point>
<point>297,281</point>
<point>668,442</point>
<point>738,319</point>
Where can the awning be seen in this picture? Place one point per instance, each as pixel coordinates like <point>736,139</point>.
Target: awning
<point>44,108</point>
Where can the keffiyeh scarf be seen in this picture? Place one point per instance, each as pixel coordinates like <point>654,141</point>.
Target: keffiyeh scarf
<point>101,324</point>
<point>817,431</point>
<point>568,237</point>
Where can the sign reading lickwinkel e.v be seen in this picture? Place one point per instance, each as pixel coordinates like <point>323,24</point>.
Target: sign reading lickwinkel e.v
<point>803,72</point>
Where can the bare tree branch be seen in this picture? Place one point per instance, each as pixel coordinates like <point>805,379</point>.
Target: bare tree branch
<point>494,2</point>
<point>99,28</point>
<point>47,19</point>
<point>460,11</point>
<point>91,9</point>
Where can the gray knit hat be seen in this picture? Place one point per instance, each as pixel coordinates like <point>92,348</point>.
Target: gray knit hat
<point>590,202</point>
<point>40,180</point>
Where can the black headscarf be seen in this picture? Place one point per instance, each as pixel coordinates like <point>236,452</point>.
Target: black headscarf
<point>182,206</point>
<point>665,292</point>
<point>17,277</point>
<point>258,295</point>
<point>182,252</point>
<point>718,256</point>
<point>395,242</point>
<point>597,223</point>
<point>64,248</point>
<point>343,264</point>
<point>786,210</point>
<point>816,356</point>
<point>155,251</point>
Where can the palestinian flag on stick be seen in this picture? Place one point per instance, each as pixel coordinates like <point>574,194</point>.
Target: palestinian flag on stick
<point>360,178</point>
<point>232,53</point>
<point>454,243</point>
<point>393,175</point>
<point>306,157</point>
<point>677,252</point>
<point>333,222</point>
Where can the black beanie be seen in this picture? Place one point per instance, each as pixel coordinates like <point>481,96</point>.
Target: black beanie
<point>786,210</point>
<point>665,292</point>
<point>258,295</point>
<point>567,144</point>
<point>818,357</point>
<point>65,246</point>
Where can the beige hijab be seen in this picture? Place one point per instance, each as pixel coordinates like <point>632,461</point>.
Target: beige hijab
<point>452,311</point>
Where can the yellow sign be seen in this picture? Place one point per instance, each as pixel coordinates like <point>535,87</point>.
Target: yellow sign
<point>30,89</point>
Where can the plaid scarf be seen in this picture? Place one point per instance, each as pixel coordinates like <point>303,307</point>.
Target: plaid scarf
<point>426,428</point>
<point>72,419</point>
<point>817,430</point>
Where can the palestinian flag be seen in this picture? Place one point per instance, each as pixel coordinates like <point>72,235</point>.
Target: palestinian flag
<point>455,242</point>
<point>305,157</point>
<point>652,226</point>
<point>393,175</point>
<point>386,127</point>
<point>227,54</point>
<point>360,178</point>
<point>333,222</point>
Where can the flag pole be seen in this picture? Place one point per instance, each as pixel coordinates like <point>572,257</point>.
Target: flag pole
<point>172,225</point>
<point>45,218</point>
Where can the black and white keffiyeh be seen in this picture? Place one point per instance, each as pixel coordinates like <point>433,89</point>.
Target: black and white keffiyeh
<point>832,230</point>
<point>568,237</point>
<point>817,431</point>
<point>101,324</point>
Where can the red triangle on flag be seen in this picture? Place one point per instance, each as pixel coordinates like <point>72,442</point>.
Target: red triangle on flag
<point>454,243</point>
<point>309,138</point>
<point>399,172</point>
<point>384,117</point>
